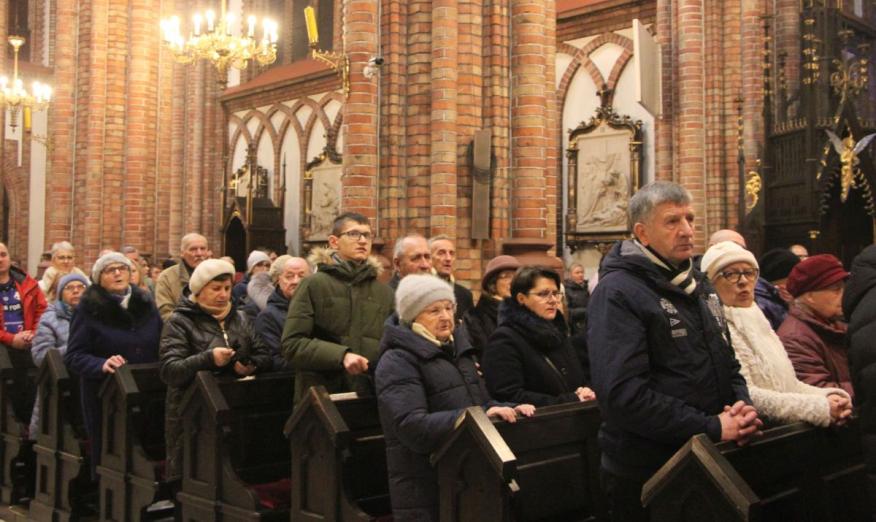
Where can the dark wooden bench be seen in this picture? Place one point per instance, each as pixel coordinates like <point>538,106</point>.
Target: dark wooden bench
<point>132,463</point>
<point>338,459</point>
<point>17,394</point>
<point>64,489</point>
<point>236,459</point>
<point>545,467</point>
<point>795,472</point>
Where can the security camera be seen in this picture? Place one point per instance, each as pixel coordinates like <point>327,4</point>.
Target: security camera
<point>373,67</point>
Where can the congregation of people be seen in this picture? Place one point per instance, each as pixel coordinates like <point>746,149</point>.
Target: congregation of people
<point>669,345</point>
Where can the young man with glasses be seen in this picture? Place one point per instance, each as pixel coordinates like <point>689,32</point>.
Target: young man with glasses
<point>661,361</point>
<point>335,321</point>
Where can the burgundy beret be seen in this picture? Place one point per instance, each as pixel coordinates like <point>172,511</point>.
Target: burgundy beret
<point>815,273</point>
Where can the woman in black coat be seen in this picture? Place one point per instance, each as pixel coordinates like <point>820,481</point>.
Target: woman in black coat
<point>115,323</point>
<point>425,379</point>
<point>481,320</point>
<point>529,357</point>
<point>205,332</point>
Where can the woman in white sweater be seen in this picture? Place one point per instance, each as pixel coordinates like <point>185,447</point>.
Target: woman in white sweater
<point>774,388</point>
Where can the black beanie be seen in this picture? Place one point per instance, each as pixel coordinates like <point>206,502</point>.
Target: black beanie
<point>777,264</point>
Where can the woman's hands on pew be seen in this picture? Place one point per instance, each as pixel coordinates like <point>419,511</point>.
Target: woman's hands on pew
<point>840,409</point>
<point>740,423</point>
<point>585,394</point>
<point>527,410</point>
<point>110,365</point>
<point>502,412</point>
<point>222,356</point>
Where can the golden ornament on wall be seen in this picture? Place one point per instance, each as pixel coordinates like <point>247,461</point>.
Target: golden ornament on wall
<point>753,185</point>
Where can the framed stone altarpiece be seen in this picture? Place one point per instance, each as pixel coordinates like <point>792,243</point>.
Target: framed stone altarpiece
<point>605,156</point>
<point>322,195</point>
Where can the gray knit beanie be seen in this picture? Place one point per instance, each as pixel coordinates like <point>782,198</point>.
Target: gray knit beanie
<point>208,270</point>
<point>417,291</point>
<point>105,261</point>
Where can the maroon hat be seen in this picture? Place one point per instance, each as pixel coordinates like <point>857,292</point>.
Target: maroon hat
<point>497,265</point>
<point>815,273</point>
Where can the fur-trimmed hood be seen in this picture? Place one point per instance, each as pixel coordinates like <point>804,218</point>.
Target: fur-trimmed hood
<point>99,304</point>
<point>326,260</point>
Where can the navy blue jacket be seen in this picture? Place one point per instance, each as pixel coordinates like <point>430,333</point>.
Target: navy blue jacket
<point>101,328</point>
<point>238,291</point>
<point>662,365</point>
<point>767,297</point>
<point>269,326</point>
<point>530,360</point>
<point>421,390</point>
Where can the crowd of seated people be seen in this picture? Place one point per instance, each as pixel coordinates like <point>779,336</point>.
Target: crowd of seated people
<point>668,344</point>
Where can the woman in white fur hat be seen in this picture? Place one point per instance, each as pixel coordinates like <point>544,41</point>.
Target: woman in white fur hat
<point>205,332</point>
<point>425,379</point>
<point>775,390</point>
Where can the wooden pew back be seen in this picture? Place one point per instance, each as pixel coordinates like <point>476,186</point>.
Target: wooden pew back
<point>543,467</point>
<point>794,472</point>
<point>338,458</point>
<point>17,395</point>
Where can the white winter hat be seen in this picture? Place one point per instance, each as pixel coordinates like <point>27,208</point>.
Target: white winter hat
<point>256,257</point>
<point>208,270</point>
<point>723,254</point>
<point>106,260</point>
<point>416,292</point>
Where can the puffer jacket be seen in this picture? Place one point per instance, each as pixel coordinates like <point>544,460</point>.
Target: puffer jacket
<point>52,334</point>
<point>101,328</point>
<point>817,349</point>
<point>187,343</point>
<point>421,390</point>
<point>577,297</point>
<point>530,360</point>
<point>340,308</point>
<point>859,306</point>
<point>767,297</point>
<point>481,321</point>
<point>269,326</point>
<point>661,361</point>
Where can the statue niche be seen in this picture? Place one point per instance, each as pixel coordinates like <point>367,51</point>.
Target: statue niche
<point>322,195</point>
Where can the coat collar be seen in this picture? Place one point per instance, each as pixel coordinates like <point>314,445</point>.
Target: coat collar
<point>98,304</point>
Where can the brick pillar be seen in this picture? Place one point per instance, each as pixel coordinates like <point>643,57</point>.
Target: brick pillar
<point>443,119</point>
<point>360,111</point>
<point>752,78</point>
<point>529,121</point>
<point>664,164</point>
<point>497,110</point>
<point>416,176</point>
<point>394,157</point>
<point>59,178</point>
<point>691,108</point>
<point>553,142</point>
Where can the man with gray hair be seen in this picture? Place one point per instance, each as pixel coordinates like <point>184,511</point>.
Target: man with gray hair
<point>175,280</point>
<point>443,251</point>
<point>661,360</point>
<point>410,256</point>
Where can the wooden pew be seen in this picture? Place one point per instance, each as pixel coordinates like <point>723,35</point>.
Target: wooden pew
<point>545,467</point>
<point>794,472</point>
<point>17,394</point>
<point>64,490</point>
<point>236,460</point>
<point>338,459</point>
<point>132,461</point>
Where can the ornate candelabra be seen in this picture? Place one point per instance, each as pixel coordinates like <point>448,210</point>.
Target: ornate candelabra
<point>338,61</point>
<point>15,97</point>
<point>212,39</point>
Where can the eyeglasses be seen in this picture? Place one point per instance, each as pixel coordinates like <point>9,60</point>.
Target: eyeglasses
<point>115,269</point>
<point>546,295</point>
<point>64,258</point>
<point>74,287</point>
<point>734,276</point>
<point>356,235</point>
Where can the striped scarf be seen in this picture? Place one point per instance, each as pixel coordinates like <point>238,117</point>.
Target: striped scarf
<point>681,277</point>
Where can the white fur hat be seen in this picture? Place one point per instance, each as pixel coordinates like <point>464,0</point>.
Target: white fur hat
<point>208,270</point>
<point>417,291</point>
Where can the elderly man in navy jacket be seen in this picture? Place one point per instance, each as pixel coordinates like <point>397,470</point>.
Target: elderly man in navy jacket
<point>661,359</point>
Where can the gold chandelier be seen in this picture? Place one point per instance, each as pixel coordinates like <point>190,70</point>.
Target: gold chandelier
<point>13,95</point>
<point>212,39</point>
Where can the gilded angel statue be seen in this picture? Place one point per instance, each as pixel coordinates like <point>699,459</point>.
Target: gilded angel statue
<point>848,151</point>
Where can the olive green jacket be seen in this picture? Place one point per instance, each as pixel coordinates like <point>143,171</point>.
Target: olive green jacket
<point>340,308</point>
